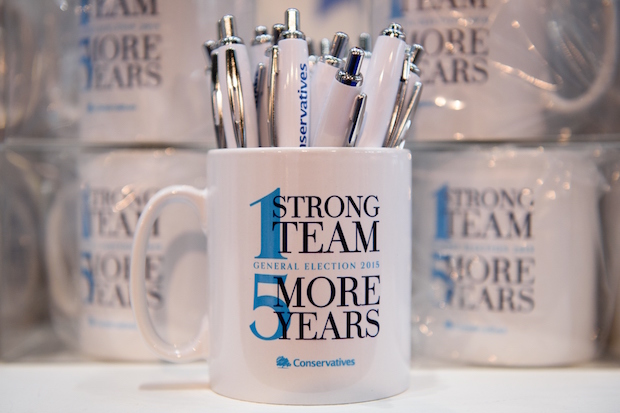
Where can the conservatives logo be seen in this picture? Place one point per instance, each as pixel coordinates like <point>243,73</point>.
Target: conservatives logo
<point>283,363</point>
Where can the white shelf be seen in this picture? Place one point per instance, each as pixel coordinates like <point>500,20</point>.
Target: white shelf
<point>154,388</point>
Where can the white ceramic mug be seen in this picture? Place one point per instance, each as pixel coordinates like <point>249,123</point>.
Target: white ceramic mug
<point>142,68</point>
<point>506,69</point>
<point>309,273</point>
<point>22,291</point>
<point>91,294</point>
<point>610,216</point>
<point>507,249</point>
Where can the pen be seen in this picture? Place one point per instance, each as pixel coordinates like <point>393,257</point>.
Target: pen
<point>310,42</point>
<point>411,109</point>
<point>341,120</point>
<point>260,44</point>
<point>277,30</point>
<point>356,118</point>
<point>272,72</point>
<point>208,47</point>
<point>413,94</point>
<point>381,86</point>
<point>399,103</point>
<point>259,60</point>
<point>216,93</point>
<point>365,43</point>
<point>291,98</point>
<point>233,85</point>
<point>312,57</point>
<point>324,46</point>
<point>311,51</point>
<point>324,72</point>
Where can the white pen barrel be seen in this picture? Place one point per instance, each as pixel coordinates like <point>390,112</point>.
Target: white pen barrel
<point>312,62</point>
<point>293,94</point>
<point>322,80</point>
<point>249,104</point>
<point>334,122</point>
<point>381,86</point>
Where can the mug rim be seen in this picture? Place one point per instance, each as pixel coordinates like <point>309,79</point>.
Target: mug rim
<point>308,150</point>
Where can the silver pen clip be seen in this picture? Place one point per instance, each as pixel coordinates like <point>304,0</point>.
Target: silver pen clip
<point>390,136</point>
<point>208,47</point>
<point>260,88</point>
<point>357,119</point>
<point>403,113</point>
<point>408,115</point>
<point>273,73</point>
<point>415,53</point>
<point>216,102</point>
<point>235,98</point>
<point>401,141</point>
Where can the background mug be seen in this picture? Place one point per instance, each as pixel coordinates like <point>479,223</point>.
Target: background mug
<point>308,256</point>
<point>510,69</point>
<point>507,253</point>
<point>90,229</point>
<point>142,69</point>
<point>610,205</point>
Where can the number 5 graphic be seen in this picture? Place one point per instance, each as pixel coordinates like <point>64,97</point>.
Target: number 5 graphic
<point>272,302</point>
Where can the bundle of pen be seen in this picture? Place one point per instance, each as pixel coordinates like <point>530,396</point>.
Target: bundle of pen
<point>278,94</point>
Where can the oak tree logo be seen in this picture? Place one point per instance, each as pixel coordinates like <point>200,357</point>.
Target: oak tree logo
<point>283,363</point>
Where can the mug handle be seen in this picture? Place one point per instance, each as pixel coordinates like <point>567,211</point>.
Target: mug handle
<point>63,292</point>
<point>606,75</point>
<point>196,348</point>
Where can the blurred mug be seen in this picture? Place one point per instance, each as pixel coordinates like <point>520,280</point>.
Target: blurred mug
<point>142,69</point>
<point>22,291</point>
<point>309,273</point>
<point>506,256</point>
<point>489,66</point>
<point>114,187</point>
<point>610,209</point>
